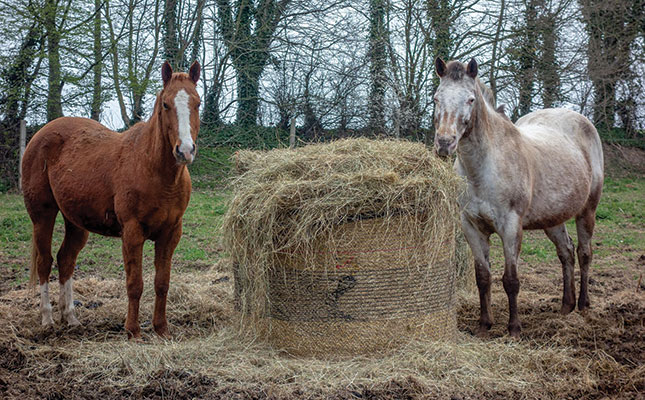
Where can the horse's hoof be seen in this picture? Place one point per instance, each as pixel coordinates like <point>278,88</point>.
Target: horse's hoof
<point>135,338</point>
<point>72,322</point>
<point>48,324</point>
<point>567,308</point>
<point>163,332</point>
<point>482,330</point>
<point>514,332</point>
<point>583,305</point>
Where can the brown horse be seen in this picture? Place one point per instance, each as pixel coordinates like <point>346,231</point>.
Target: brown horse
<point>536,174</point>
<point>133,184</point>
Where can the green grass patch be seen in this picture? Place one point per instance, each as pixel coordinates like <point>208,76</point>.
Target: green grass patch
<point>211,167</point>
<point>102,255</point>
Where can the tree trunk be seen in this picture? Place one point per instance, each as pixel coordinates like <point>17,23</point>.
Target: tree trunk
<point>492,81</point>
<point>526,58</point>
<point>248,32</point>
<point>170,41</point>
<point>97,100</point>
<point>440,14</point>
<point>547,65</point>
<point>377,57</point>
<point>248,84</point>
<point>55,84</point>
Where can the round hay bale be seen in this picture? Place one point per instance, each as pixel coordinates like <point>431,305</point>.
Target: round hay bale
<point>344,248</point>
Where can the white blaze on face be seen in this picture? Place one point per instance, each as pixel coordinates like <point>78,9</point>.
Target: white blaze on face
<point>45,305</point>
<point>183,124</point>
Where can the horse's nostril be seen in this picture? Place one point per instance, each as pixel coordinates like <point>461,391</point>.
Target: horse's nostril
<point>177,150</point>
<point>193,150</point>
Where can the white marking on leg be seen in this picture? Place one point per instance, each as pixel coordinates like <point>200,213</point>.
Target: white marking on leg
<point>45,305</point>
<point>67,303</point>
<point>183,124</point>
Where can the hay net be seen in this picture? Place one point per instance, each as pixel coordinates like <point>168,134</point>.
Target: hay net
<point>288,201</point>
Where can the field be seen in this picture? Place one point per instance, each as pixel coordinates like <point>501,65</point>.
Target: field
<point>600,354</point>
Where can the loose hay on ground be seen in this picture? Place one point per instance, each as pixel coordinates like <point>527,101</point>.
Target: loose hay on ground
<point>210,359</point>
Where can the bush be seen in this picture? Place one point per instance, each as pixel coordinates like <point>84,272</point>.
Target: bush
<point>249,137</point>
<point>621,137</point>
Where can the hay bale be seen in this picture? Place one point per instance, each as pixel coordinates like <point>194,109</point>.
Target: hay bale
<point>344,248</point>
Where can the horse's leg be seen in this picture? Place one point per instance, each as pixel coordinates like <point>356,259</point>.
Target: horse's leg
<point>585,223</point>
<point>43,220</point>
<point>75,239</point>
<point>480,246</point>
<point>132,247</point>
<point>164,249</point>
<point>511,234</point>
<point>564,247</point>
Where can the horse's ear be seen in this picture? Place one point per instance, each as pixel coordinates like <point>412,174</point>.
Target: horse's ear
<point>471,69</point>
<point>166,73</point>
<point>195,69</point>
<point>440,67</point>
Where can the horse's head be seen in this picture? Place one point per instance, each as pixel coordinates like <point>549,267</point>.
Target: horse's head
<point>454,103</point>
<point>178,105</point>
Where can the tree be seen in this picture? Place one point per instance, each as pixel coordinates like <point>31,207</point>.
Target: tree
<point>182,30</point>
<point>136,40</point>
<point>53,32</point>
<point>524,57</point>
<point>248,30</point>
<point>18,77</point>
<point>612,25</point>
<point>97,93</point>
<point>378,61</point>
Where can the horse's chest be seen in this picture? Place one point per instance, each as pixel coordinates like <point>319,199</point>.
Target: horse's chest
<point>480,210</point>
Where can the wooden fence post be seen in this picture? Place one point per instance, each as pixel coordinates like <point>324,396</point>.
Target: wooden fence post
<point>23,144</point>
<point>292,133</point>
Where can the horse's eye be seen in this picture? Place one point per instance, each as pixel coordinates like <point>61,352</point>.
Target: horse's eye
<point>470,101</point>
<point>199,103</point>
<point>165,105</point>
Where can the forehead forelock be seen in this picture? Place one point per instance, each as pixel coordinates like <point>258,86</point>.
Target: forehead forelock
<point>455,70</point>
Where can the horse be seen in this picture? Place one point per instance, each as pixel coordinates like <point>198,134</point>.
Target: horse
<point>134,185</point>
<point>535,174</point>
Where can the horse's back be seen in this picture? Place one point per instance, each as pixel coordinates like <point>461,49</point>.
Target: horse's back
<point>566,153</point>
<point>567,130</point>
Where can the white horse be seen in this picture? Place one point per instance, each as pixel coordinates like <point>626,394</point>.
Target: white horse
<point>536,174</point>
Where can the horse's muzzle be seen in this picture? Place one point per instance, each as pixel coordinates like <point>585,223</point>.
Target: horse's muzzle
<point>445,147</point>
<point>184,157</point>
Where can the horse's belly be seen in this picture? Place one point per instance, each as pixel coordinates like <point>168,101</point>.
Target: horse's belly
<point>551,211</point>
<point>101,220</point>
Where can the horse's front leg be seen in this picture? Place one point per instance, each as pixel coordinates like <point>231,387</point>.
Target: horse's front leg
<point>164,248</point>
<point>511,234</point>
<point>480,246</point>
<point>132,247</point>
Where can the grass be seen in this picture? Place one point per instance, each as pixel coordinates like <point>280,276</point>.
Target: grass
<point>102,255</point>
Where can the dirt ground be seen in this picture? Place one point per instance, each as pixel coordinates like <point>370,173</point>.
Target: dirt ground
<point>596,355</point>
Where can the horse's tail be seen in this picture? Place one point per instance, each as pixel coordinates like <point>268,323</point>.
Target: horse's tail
<point>33,276</point>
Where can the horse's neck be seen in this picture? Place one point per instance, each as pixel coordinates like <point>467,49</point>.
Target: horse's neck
<point>476,148</point>
<point>154,150</point>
